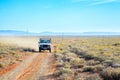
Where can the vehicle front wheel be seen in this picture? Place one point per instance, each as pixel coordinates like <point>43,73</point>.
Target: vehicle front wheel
<point>50,50</point>
<point>39,50</point>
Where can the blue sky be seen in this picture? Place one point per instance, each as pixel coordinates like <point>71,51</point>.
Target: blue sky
<point>60,15</point>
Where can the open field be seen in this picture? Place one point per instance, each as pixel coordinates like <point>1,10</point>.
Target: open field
<point>76,58</point>
<point>89,58</point>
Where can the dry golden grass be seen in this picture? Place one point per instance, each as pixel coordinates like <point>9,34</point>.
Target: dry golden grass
<point>78,58</point>
<point>110,74</point>
<point>97,54</point>
<point>14,49</point>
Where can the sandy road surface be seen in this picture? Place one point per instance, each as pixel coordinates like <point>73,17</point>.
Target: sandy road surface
<point>39,66</point>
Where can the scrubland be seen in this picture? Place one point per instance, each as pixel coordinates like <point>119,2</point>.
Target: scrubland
<point>88,58</point>
<point>77,58</point>
<point>15,49</point>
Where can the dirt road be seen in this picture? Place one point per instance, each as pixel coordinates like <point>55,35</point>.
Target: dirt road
<point>39,66</point>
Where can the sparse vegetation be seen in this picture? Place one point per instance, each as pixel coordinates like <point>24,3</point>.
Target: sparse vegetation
<point>85,58</point>
<point>12,53</point>
<point>92,56</point>
<point>111,74</point>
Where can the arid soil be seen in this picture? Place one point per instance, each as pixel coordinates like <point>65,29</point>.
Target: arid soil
<point>38,66</point>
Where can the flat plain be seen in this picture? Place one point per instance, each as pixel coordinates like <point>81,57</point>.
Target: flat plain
<point>72,58</point>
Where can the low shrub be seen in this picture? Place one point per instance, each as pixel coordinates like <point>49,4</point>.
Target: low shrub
<point>108,63</point>
<point>64,73</point>
<point>28,50</point>
<point>77,63</point>
<point>88,56</point>
<point>98,68</point>
<point>94,77</point>
<point>78,51</point>
<point>99,58</point>
<point>116,44</point>
<point>92,62</point>
<point>67,65</point>
<point>111,74</point>
<point>88,69</point>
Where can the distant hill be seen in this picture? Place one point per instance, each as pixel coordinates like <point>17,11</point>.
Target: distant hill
<point>77,34</point>
<point>101,33</point>
<point>59,33</point>
<point>15,32</point>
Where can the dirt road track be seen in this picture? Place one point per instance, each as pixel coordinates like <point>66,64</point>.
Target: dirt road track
<point>39,66</point>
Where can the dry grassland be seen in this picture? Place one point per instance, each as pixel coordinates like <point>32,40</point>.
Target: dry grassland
<point>78,58</point>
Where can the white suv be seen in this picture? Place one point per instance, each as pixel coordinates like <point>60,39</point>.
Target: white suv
<point>45,44</point>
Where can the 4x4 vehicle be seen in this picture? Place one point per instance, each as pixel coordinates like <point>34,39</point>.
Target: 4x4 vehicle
<point>45,44</point>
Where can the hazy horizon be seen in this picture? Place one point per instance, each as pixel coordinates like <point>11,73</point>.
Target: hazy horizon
<point>27,31</point>
<point>60,15</point>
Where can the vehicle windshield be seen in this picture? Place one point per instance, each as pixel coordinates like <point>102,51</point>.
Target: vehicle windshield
<point>44,41</point>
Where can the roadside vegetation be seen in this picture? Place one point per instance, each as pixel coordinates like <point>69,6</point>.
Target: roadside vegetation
<point>88,59</point>
<point>12,53</point>
<point>77,58</point>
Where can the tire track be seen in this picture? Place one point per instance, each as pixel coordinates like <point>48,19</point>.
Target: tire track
<point>48,69</point>
<point>29,72</point>
<point>39,66</point>
<point>12,74</point>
